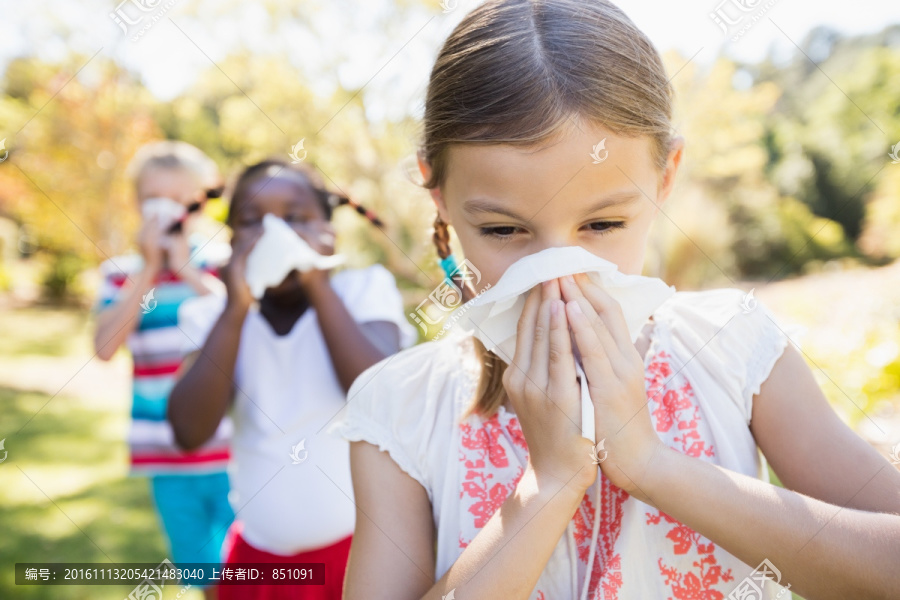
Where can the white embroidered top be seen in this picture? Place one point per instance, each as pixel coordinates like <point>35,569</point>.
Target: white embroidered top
<point>708,355</point>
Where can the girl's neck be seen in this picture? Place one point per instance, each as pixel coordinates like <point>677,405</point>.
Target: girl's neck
<point>283,313</point>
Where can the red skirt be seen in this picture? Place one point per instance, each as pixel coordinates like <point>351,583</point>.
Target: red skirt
<point>334,556</point>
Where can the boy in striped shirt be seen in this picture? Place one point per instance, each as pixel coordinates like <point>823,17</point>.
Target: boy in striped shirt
<point>137,307</point>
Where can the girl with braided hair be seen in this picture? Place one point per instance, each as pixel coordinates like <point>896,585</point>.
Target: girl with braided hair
<point>472,479</point>
<point>281,366</point>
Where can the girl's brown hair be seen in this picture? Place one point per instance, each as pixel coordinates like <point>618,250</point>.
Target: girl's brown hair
<point>515,71</point>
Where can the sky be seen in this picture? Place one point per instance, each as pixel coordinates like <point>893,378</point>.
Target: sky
<point>364,43</point>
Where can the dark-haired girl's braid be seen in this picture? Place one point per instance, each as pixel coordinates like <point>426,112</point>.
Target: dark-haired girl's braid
<point>335,200</point>
<point>451,268</point>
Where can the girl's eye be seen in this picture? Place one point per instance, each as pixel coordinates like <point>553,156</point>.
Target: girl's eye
<point>606,226</point>
<point>296,218</point>
<point>499,232</point>
<point>249,222</point>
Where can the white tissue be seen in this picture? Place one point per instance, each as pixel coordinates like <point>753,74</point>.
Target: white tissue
<point>167,212</point>
<point>278,252</point>
<point>493,316</point>
<point>165,209</point>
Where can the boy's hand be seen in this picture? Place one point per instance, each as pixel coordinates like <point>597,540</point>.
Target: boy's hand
<point>150,243</point>
<point>179,252</point>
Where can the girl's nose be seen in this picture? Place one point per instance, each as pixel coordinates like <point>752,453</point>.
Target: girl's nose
<point>555,241</point>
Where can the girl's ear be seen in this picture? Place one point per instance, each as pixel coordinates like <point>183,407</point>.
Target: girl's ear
<point>667,182</point>
<point>425,170</point>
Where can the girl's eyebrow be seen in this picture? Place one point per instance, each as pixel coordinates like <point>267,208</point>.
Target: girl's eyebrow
<point>481,205</point>
<point>625,197</point>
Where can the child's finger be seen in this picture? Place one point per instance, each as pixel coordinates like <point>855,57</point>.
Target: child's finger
<point>607,307</point>
<point>246,244</point>
<point>540,349</point>
<point>605,341</point>
<point>538,372</point>
<point>562,361</point>
<point>594,359</point>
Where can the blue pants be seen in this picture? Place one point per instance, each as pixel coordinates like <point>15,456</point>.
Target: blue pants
<point>195,515</point>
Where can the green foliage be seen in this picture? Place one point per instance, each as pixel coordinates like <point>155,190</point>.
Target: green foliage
<point>60,278</point>
<point>771,151</point>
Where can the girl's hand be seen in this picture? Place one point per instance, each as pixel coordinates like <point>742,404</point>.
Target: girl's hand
<point>233,274</point>
<point>542,388</point>
<point>615,374</point>
<point>312,281</point>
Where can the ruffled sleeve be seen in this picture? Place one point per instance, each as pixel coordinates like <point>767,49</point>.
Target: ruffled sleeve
<point>735,338</point>
<point>405,405</point>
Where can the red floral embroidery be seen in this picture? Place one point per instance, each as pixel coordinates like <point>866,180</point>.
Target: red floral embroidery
<point>697,584</point>
<point>677,407</point>
<point>674,407</point>
<point>484,446</point>
<point>606,571</point>
<point>493,453</point>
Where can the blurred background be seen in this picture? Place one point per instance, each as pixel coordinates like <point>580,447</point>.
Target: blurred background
<point>791,112</point>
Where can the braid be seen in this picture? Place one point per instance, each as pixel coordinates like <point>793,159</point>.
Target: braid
<point>490,394</point>
<point>441,239</point>
<point>335,200</point>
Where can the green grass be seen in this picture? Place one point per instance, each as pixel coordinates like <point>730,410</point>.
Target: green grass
<point>42,331</point>
<point>65,495</point>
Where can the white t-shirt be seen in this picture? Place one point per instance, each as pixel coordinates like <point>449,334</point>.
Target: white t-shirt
<point>706,360</point>
<point>292,498</point>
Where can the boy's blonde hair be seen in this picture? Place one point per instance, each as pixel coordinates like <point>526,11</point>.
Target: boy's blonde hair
<point>518,72</point>
<point>175,155</point>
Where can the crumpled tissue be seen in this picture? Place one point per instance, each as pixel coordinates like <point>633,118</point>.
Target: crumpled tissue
<point>279,251</point>
<point>493,316</point>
